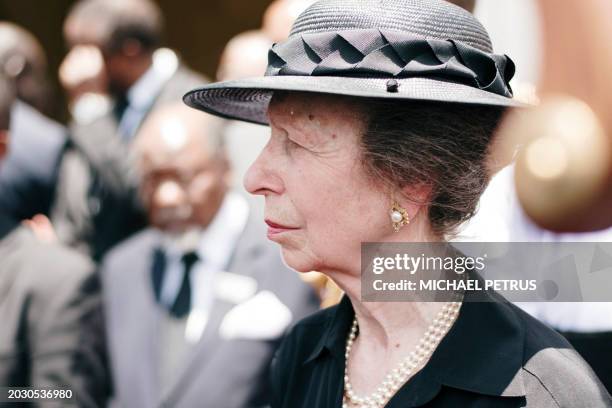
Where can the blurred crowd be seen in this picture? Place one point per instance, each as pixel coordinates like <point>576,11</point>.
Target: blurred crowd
<point>134,270</point>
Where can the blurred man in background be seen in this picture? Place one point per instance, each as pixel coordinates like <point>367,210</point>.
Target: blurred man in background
<point>52,328</point>
<point>280,15</point>
<point>244,56</point>
<point>115,74</point>
<point>29,171</point>
<point>23,60</point>
<point>197,303</point>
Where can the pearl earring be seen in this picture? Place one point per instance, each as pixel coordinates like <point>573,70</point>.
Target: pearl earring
<point>399,216</point>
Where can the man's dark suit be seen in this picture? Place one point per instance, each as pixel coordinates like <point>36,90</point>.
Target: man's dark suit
<point>218,372</point>
<point>96,203</point>
<point>28,174</point>
<point>52,331</point>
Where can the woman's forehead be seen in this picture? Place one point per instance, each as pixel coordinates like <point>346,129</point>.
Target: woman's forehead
<point>316,109</point>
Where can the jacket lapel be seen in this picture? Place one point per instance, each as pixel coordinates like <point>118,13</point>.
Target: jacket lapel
<point>135,345</point>
<point>198,357</point>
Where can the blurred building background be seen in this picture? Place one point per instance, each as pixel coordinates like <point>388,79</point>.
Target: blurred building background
<point>514,29</point>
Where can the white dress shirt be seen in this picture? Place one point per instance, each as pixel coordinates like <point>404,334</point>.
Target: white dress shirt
<point>140,96</point>
<point>214,246</point>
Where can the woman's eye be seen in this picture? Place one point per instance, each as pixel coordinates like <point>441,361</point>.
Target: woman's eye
<point>291,144</point>
<point>288,142</point>
<point>294,143</point>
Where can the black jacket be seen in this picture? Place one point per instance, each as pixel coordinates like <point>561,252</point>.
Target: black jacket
<point>29,172</point>
<point>495,355</point>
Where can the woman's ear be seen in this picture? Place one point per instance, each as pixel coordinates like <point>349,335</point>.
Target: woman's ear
<point>415,196</point>
<point>4,138</point>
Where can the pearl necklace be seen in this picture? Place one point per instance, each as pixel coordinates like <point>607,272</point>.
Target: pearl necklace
<point>398,376</point>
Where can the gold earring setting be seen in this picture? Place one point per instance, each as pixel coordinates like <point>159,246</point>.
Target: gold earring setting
<point>399,216</point>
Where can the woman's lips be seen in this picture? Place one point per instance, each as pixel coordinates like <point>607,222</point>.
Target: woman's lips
<point>276,228</point>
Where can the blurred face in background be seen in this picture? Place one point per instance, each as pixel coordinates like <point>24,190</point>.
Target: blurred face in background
<point>90,54</point>
<point>184,179</point>
<point>23,59</point>
<point>120,35</point>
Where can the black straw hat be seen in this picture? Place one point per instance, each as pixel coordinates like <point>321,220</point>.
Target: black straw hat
<point>427,50</point>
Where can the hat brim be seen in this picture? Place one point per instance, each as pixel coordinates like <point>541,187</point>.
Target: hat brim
<point>247,99</point>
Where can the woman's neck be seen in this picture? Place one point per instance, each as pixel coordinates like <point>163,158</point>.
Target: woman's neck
<point>389,324</point>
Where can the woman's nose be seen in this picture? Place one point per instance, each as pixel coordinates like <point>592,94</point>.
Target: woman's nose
<point>262,178</point>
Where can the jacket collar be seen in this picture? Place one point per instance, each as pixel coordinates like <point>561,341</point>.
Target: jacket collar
<point>335,332</point>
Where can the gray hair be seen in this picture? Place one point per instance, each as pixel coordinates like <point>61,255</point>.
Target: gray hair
<point>442,146</point>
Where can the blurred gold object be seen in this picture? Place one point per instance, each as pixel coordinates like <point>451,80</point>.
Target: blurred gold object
<point>563,161</point>
<point>564,175</point>
<point>329,293</point>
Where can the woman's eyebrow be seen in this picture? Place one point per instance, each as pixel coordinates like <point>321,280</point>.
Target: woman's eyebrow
<point>301,129</point>
<point>272,121</point>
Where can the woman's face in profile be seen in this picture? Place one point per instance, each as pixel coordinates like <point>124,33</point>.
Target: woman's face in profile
<point>320,204</point>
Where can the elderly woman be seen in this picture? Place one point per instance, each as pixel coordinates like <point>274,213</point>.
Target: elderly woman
<point>381,114</point>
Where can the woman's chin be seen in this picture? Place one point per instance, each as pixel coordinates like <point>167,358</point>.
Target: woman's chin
<point>298,260</point>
